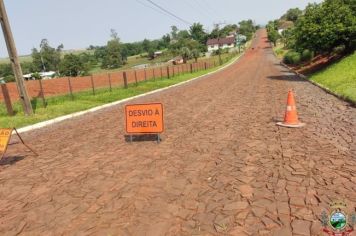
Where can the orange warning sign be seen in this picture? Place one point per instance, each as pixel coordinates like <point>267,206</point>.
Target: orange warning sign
<point>5,135</point>
<point>144,118</point>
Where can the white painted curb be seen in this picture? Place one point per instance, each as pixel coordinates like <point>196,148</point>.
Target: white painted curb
<point>76,114</point>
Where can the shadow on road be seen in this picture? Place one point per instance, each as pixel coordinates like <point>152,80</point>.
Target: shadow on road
<point>141,138</point>
<point>10,160</point>
<point>286,78</point>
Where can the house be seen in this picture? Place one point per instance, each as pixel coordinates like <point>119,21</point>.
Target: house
<point>284,25</point>
<point>157,54</point>
<point>177,60</point>
<point>228,42</point>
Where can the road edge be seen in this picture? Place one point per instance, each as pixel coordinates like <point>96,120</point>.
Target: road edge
<point>304,77</point>
<point>325,89</point>
<point>101,107</point>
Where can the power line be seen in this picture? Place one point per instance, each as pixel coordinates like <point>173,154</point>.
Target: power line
<point>197,9</point>
<point>170,13</point>
<point>155,9</point>
<point>208,7</point>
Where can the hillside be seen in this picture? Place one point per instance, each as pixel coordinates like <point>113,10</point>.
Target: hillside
<point>339,77</point>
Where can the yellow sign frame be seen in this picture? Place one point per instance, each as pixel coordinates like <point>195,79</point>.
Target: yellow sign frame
<point>5,136</point>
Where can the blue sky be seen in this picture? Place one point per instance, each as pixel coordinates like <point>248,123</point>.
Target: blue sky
<point>80,23</point>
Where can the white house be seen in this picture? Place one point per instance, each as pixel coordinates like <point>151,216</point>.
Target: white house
<point>213,44</point>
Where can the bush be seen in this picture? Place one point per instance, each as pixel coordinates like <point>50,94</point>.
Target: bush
<point>339,49</point>
<point>307,55</point>
<point>9,78</point>
<point>292,58</point>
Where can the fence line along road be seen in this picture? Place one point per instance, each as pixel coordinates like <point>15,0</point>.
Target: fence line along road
<point>70,85</point>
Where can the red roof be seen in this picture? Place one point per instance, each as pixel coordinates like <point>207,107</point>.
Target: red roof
<point>222,41</point>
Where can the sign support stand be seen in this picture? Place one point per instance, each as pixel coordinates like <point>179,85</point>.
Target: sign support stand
<point>18,135</point>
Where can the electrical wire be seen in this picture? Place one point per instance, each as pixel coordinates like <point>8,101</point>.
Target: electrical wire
<point>197,9</point>
<point>212,11</point>
<point>170,13</point>
<point>155,9</point>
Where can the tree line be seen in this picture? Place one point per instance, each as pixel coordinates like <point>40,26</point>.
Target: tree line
<point>324,28</point>
<point>187,43</point>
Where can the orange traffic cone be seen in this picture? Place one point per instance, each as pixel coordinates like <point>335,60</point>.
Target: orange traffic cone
<point>291,117</point>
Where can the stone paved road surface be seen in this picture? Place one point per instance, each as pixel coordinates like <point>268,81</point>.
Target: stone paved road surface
<point>223,168</point>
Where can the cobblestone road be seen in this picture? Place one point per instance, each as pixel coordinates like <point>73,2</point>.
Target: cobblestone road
<point>223,167</point>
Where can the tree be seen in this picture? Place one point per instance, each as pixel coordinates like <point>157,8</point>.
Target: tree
<point>71,65</point>
<point>325,26</point>
<point>183,34</point>
<point>124,53</point>
<point>197,33</point>
<point>100,53</point>
<point>247,28</point>
<point>222,33</point>
<point>112,58</point>
<point>176,48</point>
<point>166,39</point>
<point>151,54</point>
<point>195,53</point>
<point>174,32</point>
<point>185,53</point>
<point>292,14</point>
<point>272,32</point>
<point>146,45</point>
<point>287,38</point>
<point>273,36</point>
<point>47,58</point>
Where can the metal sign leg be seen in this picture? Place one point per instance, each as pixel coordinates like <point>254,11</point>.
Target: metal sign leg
<point>18,135</point>
<point>158,138</point>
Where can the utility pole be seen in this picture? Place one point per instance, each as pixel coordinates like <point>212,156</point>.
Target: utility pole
<point>16,67</point>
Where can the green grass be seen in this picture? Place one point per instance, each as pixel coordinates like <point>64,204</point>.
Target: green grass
<point>131,62</point>
<point>63,105</point>
<point>340,77</point>
<point>280,50</point>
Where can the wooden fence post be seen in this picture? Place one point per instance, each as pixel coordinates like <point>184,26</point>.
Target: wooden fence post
<point>42,93</point>
<point>7,99</point>
<point>125,79</point>
<point>168,72</point>
<point>136,82</point>
<point>154,75</point>
<point>70,88</point>
<point>109,77</point>
<point>205,66</point>
<point>191,68</point>
<point>92,84</point>
<point>173,72</point>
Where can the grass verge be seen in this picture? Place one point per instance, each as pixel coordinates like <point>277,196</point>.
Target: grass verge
<point>63,105</point>
<point>339,78</point>
<point>280,50</point>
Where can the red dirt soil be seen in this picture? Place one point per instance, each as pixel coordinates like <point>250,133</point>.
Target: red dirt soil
<point>222,168</point>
